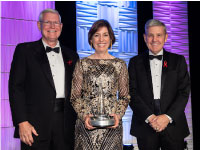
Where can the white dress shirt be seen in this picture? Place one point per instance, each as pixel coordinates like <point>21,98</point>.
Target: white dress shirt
<point>156,74</point>
<point>57,69</point>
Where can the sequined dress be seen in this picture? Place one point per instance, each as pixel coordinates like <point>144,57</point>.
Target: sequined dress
<point>90,76</point>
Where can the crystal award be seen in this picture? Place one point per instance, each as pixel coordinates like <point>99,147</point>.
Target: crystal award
<point>100,118</point>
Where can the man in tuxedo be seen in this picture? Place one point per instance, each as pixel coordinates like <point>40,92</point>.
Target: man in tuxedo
<point>39,89</point>
<point>159,89</point>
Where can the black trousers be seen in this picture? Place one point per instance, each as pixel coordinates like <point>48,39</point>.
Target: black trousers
<point>56,141</point>
<point>160,140</point>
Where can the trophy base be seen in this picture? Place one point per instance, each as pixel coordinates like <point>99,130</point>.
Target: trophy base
<point>102,122</point>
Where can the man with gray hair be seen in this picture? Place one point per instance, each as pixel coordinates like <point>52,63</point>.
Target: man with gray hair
<point>159,88</point>
<point>39,89</point>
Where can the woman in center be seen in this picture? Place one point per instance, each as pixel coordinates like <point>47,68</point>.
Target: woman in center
<point>97,76</point>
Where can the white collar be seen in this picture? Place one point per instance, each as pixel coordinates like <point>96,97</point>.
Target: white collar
<point>45,44</point>
<point>160,53</point>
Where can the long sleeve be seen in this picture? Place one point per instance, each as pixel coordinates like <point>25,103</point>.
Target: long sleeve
<point>137,103</point>
<point>183,91</point>
<point>17,78</point>
<point>123,96</point>
<point>76,93</point>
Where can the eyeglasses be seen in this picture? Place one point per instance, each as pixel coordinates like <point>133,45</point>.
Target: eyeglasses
<point>49,23</point>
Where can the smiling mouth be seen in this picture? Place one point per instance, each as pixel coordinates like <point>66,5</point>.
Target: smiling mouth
<point>51,31</point>
<point>101,45</point>
<point>155,44</point>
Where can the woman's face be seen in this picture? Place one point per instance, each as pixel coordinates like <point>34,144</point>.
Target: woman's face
<point>101,40</point>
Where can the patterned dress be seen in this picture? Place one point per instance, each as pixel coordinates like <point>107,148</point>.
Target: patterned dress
<point>90,77</point>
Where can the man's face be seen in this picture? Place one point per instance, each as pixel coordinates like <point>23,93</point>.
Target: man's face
<point>155,38</point>
<point>50,27</point>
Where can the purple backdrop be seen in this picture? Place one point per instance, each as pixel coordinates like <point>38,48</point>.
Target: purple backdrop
<point>18,24</point>
<point>174,15</point>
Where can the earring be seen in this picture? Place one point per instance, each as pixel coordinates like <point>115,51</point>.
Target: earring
<point>111,45</point>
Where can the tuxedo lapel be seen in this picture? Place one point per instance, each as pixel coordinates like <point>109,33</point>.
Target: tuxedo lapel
<point>65,58</point>
<point>68,69</point>
<point>64,55</point>
<point>164,69</point>
<point>148,70</point>
<point>44,62</point>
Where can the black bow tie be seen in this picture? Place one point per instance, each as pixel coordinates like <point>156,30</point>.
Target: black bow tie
<point>159,57</point>
<point>49,49</point>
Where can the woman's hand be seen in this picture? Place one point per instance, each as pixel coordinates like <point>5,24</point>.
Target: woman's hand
<point>116,118</point>
<point>87,122</point>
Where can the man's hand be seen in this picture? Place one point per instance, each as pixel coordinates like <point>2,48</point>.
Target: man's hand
<point>152,122</point>
<point>159,123</point>
<point>25,132</point>
<point>151,118</point>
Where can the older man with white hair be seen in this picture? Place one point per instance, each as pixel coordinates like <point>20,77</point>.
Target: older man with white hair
<point>39,89</point>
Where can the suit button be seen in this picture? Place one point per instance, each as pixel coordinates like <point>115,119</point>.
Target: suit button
<point>151,103</point>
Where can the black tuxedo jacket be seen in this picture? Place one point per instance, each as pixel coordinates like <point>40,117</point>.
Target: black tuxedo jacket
<point>32,92</point>
<point>175,88</point>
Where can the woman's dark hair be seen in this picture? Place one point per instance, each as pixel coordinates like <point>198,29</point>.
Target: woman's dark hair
<point>98,24</point>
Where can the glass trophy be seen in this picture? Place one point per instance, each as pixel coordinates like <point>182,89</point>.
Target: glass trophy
<point>100,119</point>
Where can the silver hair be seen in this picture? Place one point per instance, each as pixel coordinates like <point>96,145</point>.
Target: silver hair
<point>154,22</point>
<point>49,10</point>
